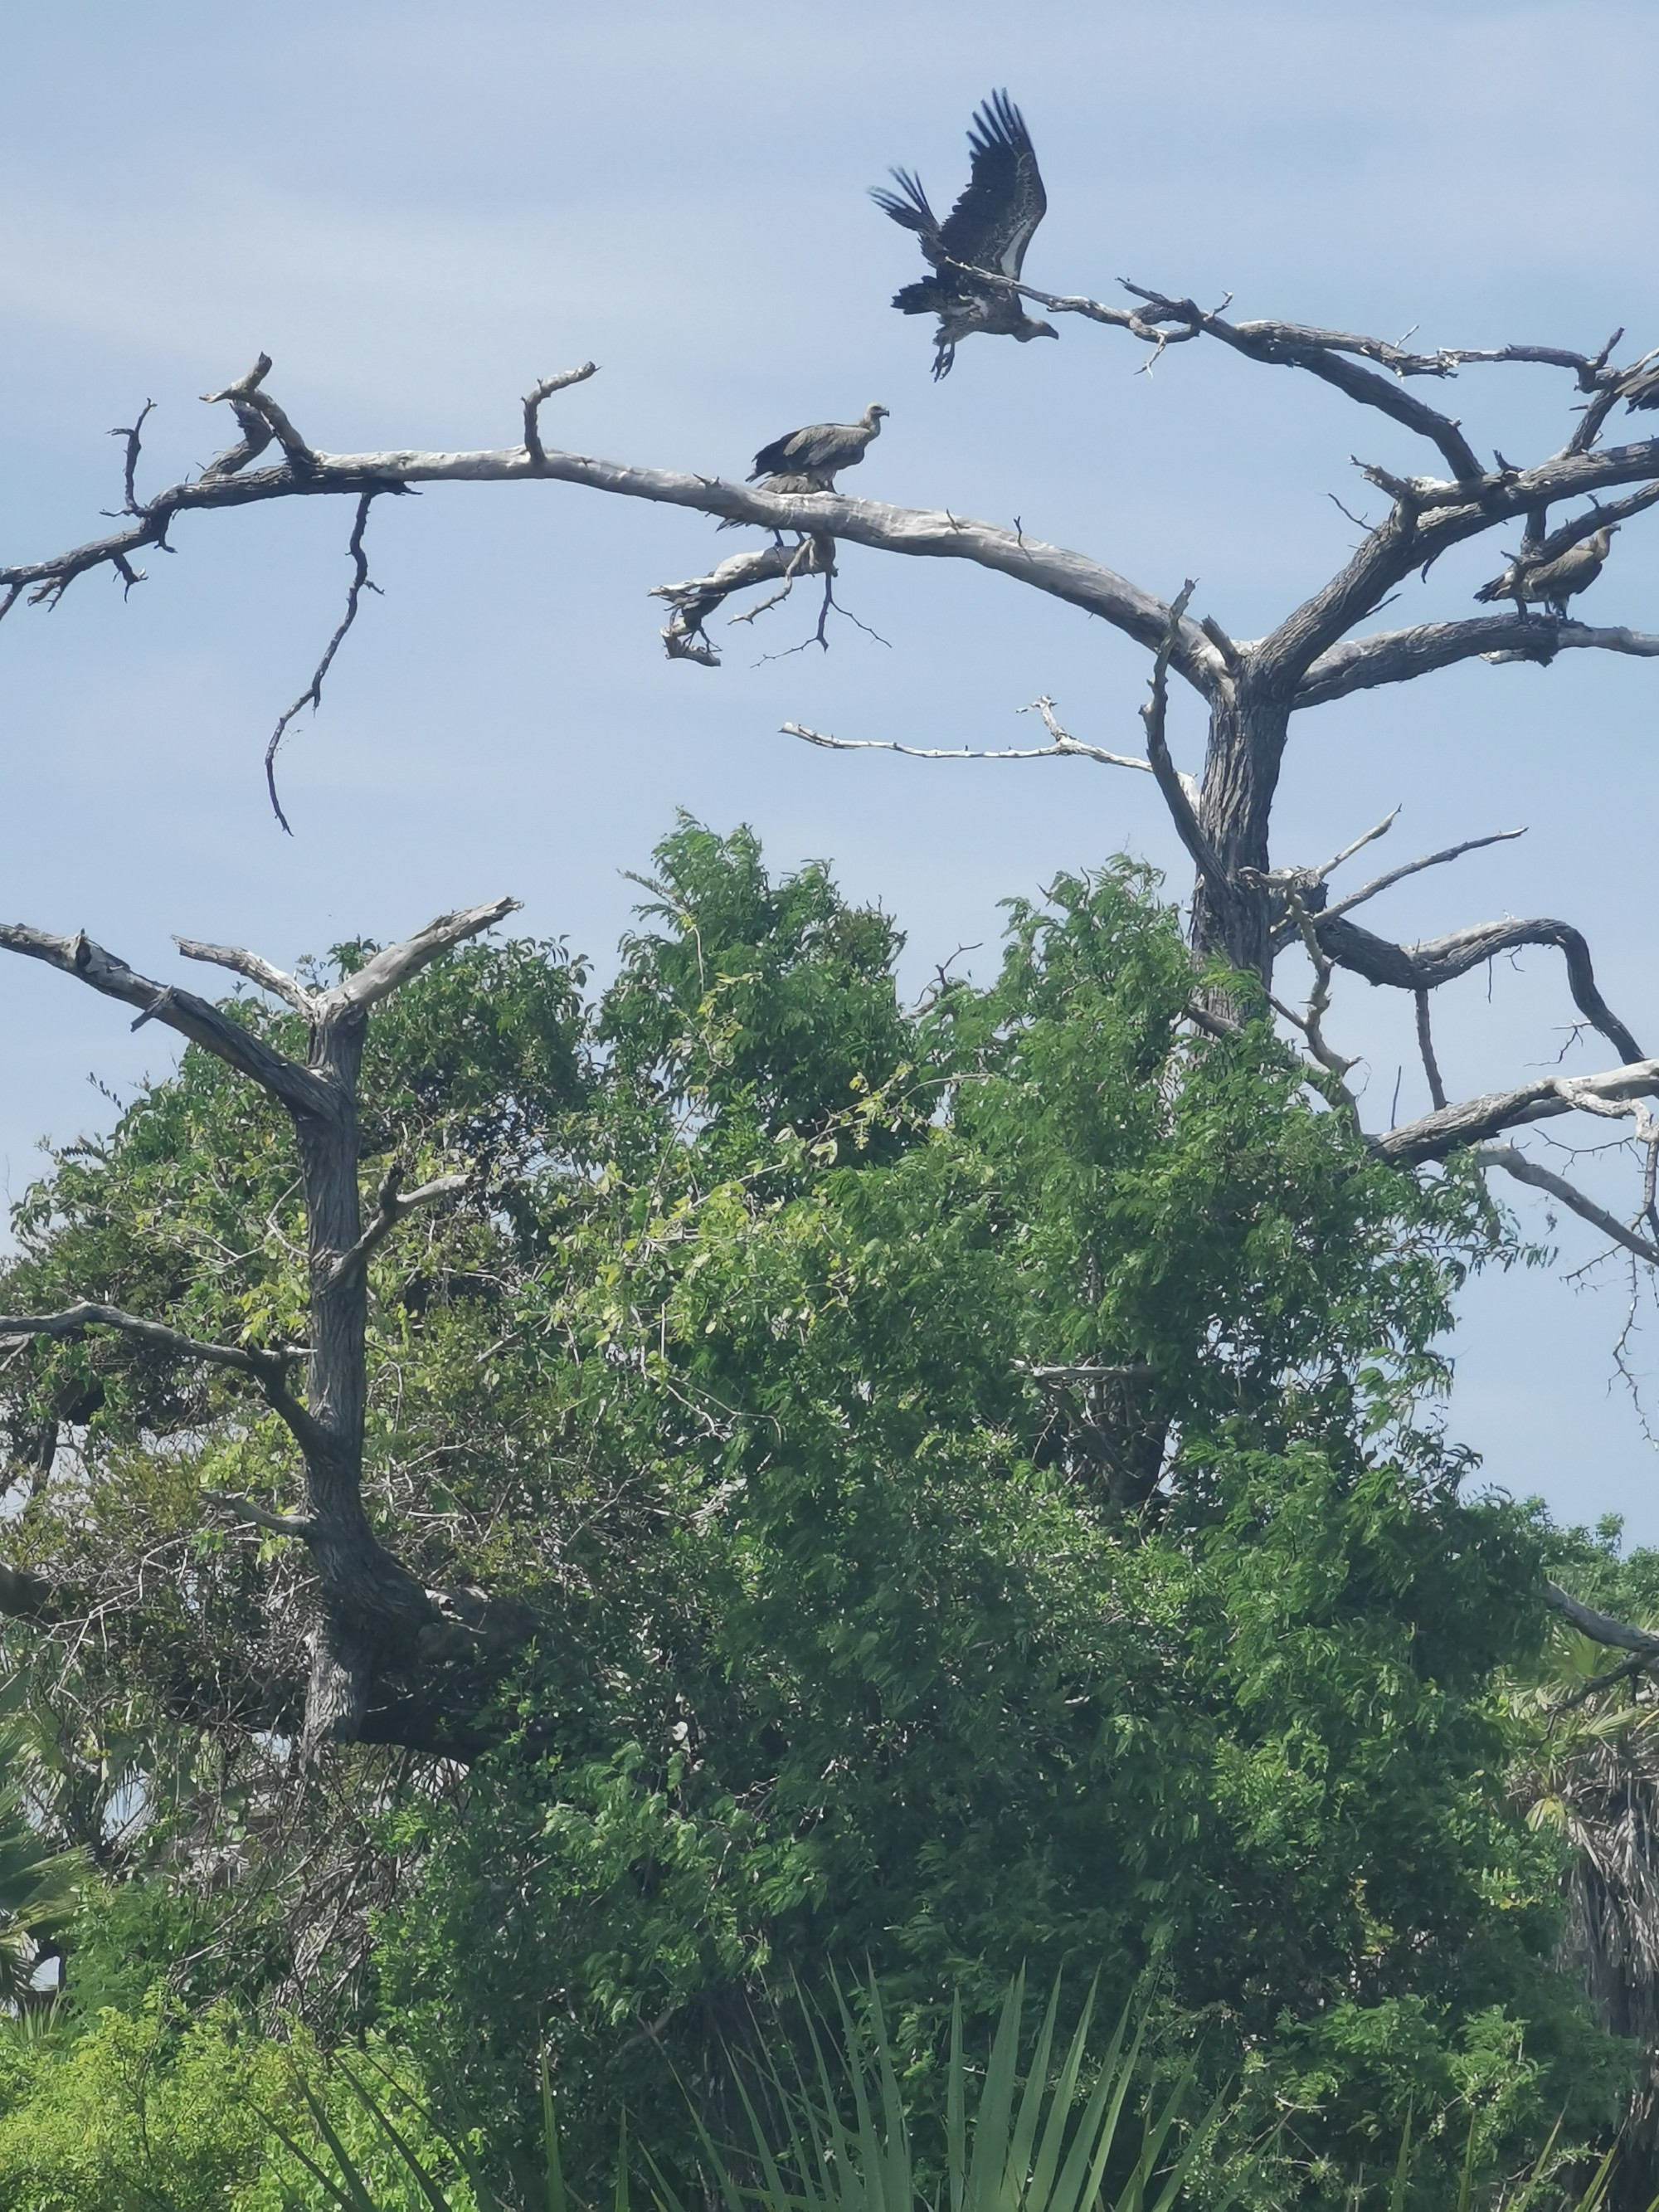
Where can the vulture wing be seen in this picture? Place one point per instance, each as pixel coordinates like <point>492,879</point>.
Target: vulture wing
<point>991,225</point>
<point>823,446</point>
<point>909,205</point>
<point>819,445</point>
<point>780,456</point>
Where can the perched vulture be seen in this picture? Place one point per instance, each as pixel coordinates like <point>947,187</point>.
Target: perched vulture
<point>807,460</point>
<point>1554,583</point>
<point>989,228</point>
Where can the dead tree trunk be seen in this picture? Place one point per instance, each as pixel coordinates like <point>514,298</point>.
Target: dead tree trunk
<point>1248,904</point>
<point>391,1659</point>
<point>1229,915</point>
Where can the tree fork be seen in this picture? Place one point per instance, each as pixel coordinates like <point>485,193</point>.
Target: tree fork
<point>380,1638</point>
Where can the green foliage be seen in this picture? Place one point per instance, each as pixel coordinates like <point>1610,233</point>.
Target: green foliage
<point>149,2109</point>
<point>1058,2134</point>
<point>39,1883</point>
<point>976,1468</point>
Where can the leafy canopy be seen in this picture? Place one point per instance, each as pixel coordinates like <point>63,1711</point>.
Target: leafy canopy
<point>976,1470</point>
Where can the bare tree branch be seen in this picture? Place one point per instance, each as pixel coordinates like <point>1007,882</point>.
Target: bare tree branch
<point>1326,354</point>
<point>1160,321</point>
<point>386,972</point>
<point>393,1206</point>
<point>919,533</point>
<point>264,1366</point>
<point>312,696</point>
<point>1426,1047</point>
<point>544,389</point>
<point>252,405</point>
<point>1086,1373</point>
<point>1399,656</point>
<point>1441,960</point>
<point>1062,746</point>
<point>1177,794</point>
<point>1358,844</point>
<point>133,436</point>
<point>694,601</point>
<point>246,1508</point>
<point>256,433</point>
<point>1454,1129</point>
<point>1379,884</point>
<point>1600,1627</point>
<point>256,969</point>
<point>205,1025</point>
<point>1289,884</point>
<point>1516,1162</point>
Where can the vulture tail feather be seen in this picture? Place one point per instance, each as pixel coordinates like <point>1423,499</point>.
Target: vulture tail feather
<point>926,297</point>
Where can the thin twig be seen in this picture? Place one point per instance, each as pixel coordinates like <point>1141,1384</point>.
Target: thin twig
<point>1366,837</point>
<point>312,696</point>
<point>1072,747</point>
<point>1415,867</point>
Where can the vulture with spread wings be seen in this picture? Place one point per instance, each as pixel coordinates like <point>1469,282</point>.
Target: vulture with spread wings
<point>988,229</point>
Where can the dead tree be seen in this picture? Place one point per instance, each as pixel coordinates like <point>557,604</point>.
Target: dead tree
<point>390,1660</point>
<point>1248,904</point>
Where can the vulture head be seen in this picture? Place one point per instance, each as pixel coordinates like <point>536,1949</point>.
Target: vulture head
<point>1029,327</point>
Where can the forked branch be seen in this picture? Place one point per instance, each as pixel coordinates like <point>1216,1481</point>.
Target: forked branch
<point>202,1024</point>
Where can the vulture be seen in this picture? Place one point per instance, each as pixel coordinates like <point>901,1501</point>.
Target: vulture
<point>807,460</point>
<point>1554,582</point>
<point>988,228</point>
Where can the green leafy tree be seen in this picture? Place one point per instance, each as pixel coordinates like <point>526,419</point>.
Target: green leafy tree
<point>972,1477</point>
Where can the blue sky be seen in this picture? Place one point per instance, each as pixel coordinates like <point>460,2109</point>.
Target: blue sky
<point>418,210</point>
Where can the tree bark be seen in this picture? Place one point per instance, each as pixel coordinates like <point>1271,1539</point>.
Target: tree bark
<point>1230,920</point>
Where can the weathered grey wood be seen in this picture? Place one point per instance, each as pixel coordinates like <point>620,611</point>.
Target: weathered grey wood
<point>1243,902</point>
<point>1442,960</point>
<point>372,1613</point>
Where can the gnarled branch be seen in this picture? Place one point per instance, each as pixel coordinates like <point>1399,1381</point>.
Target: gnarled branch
<point>1400,655</point>
<point>1471,1121</point>
<point>386,972</point>
<point>1441,960</point>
